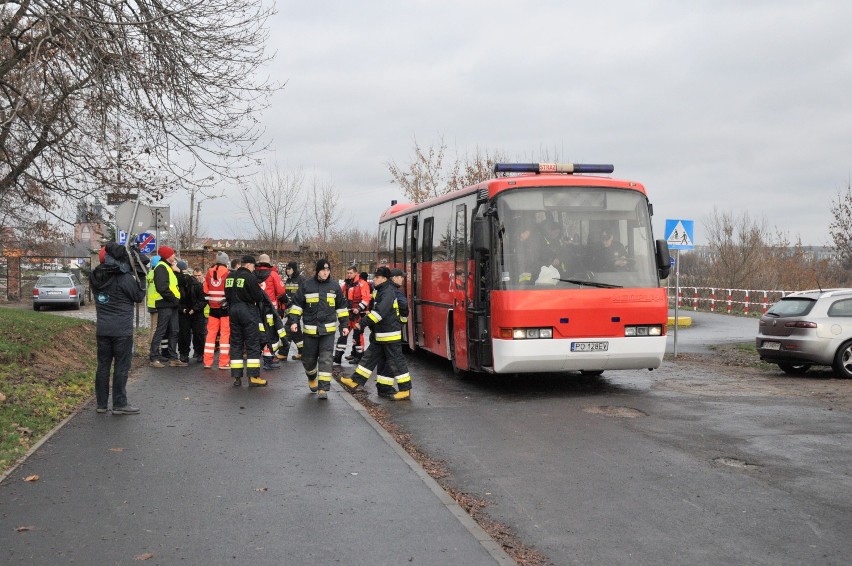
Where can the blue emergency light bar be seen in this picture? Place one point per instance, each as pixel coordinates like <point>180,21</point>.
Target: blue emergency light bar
<point>553,168</point>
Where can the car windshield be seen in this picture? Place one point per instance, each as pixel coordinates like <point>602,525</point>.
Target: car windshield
<point>54,282</point>
<point>565,237</point>
<point>798,306</point>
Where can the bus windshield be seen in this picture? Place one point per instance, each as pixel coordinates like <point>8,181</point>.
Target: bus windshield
<point>570,237</point>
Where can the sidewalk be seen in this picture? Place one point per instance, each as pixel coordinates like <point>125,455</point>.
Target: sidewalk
<point>210,474</point>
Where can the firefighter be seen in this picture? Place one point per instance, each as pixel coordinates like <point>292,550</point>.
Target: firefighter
<point>244,297</point>
<point>273,329</point>
<point>357,293</point>
<point>293,280</point>
<point>383,370</point>
<point>385,345</point>
<point>322,307</point>
<point>218,323</point>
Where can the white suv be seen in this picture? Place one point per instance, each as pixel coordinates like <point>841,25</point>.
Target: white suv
<point>809,328</point>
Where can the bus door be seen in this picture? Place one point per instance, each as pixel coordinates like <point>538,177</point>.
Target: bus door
<point>459,290</point>
<point>411,281</point>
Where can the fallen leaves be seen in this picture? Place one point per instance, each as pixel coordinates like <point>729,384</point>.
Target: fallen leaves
<point>116,449</point>
<point>25,529</point>
<point>146,556</point>
<point>33,477</point>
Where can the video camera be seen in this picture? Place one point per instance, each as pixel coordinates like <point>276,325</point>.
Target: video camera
<point>138,262</point>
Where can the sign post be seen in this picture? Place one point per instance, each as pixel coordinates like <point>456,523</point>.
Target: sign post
<point>679,236</point>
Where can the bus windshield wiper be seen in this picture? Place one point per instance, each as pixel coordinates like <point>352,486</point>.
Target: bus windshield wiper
<point>592,283</point>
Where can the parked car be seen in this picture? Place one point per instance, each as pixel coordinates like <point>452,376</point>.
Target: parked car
<point>59,289</point>
<point>809,328</point>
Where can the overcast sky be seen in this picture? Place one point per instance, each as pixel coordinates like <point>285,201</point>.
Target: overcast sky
<point>738,105</point>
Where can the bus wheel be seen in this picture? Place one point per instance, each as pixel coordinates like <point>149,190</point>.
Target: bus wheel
<point>591,372</point>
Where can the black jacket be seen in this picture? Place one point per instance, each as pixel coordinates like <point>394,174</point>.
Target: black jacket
<point>321,305</point>
<point>115,291</point>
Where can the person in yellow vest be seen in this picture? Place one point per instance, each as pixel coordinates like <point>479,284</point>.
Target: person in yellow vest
<point>167,301</point>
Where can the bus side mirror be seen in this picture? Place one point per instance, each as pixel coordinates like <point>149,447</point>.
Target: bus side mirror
<point>481,235</point>
<point>664,265</point>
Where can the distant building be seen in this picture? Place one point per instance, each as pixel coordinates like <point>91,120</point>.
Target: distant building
<point>89,225</point>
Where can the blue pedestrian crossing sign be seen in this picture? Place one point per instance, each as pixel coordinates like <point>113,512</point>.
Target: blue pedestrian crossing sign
<point>679,234</point>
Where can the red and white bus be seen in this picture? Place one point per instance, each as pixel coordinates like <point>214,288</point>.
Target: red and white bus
<point>545,268</point>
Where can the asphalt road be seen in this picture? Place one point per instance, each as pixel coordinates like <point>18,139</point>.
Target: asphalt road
<point>684,464</point>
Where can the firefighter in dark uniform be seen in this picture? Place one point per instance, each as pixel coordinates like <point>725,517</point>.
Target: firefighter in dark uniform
<point>291,286</point>
<point>244,296</point>
<point>384,372</point>
<point>385,344</point>
<point>322,308</point>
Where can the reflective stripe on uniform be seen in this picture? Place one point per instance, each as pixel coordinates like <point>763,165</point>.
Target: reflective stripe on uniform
<point>342,312</point>
<point>388,336</point>
<point>374,316</point>
<point>404,378</point>
<point>309,329</point>
<point>296,310</point>
<point>311,298</point>
<point>382,380</point>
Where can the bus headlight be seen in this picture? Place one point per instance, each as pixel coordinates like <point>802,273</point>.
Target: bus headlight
<point>644,330</point>
<point>525,333</point>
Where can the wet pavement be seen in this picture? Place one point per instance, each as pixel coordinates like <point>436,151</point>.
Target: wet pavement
<point>211,474</point>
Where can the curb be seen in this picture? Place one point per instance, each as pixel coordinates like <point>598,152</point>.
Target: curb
<point>682,321</point>
<point>488,543</point>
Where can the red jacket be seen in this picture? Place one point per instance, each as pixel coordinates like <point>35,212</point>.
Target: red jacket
<point>270,281</point>
<point>357,292</point>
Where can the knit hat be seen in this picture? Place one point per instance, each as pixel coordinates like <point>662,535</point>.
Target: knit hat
<point>182,265</point>
<point>383,271</point>
<point>223,259</point>
<point>322,264</point>
<point>294,266</point>
<point>166,252</point>
<point>264,258</point>
<point>248,259</point>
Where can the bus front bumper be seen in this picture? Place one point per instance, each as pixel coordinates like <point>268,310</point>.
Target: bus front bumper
<point>553,355</point>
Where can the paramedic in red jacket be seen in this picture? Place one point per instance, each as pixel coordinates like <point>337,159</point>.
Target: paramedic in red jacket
<point>218,322</point>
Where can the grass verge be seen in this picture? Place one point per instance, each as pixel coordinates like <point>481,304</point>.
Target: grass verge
<point>47,364</point>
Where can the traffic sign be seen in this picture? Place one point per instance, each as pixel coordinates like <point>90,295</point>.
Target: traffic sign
<point>679,234</point>
<point>147,242</point>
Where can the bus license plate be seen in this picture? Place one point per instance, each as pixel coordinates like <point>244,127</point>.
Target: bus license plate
<point>772,345</point>
<point>589,346</point>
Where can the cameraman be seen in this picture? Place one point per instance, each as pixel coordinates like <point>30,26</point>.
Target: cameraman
<point>115,291</point>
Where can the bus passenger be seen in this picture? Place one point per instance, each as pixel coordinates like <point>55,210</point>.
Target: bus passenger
<point>526,251</point>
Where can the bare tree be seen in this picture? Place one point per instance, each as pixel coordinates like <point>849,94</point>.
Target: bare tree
<point>840,227</point>
<point>275,204</point>
<point>180,231</point>
<point>432,174</point>
<point>139,96</point>
<point>324,213</point>
<point>738,245</point>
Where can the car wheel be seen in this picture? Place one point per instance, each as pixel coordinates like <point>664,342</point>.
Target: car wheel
<point>36,307</point>
<point>794,369</point>
<point>591,372</point>
<point>77,304</point>
<point>843,361</point>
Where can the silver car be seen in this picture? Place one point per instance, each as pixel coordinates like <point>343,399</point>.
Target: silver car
<point>64,289</point>
<point>809,328</point>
